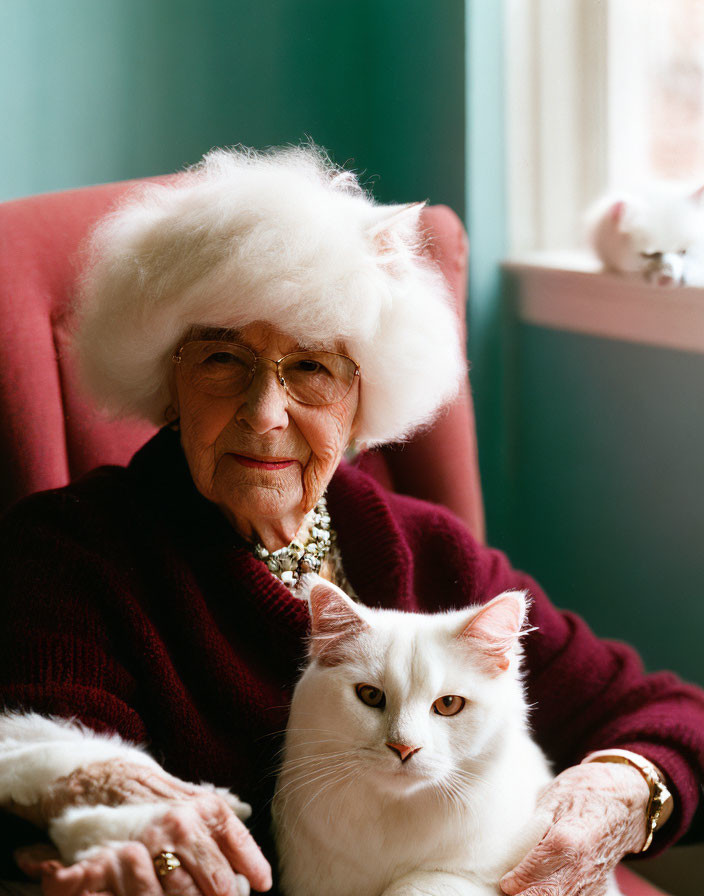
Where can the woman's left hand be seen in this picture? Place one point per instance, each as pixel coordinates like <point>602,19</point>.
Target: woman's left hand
<point>591,816</point>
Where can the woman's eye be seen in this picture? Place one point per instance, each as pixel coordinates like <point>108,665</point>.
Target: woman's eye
<point>449,705</point>
<point>370,695</point>
<point>309,366</point>
<point>223,358</point>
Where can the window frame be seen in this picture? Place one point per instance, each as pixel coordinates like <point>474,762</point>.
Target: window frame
<point>557,163</point>
<point>556,119</point>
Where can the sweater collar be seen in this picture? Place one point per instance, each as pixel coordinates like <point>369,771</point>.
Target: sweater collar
<point>375,553</point>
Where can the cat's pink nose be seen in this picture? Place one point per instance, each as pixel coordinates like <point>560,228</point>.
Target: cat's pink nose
<point>403,751</point>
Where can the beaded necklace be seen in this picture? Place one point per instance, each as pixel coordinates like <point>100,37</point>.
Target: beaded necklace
<point>291,562</point>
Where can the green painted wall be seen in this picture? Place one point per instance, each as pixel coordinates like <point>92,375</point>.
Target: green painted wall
<point>609,473</point>
<point>100,90</point>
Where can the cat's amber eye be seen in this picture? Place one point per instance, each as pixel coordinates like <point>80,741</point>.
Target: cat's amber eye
<point>370,695</point>
<point>449,705</point>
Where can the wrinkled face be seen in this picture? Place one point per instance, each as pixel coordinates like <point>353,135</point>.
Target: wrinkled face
<point>262,457</point>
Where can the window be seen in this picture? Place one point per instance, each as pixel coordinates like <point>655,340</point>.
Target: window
<point>656,90</point>
<point>599,95</point>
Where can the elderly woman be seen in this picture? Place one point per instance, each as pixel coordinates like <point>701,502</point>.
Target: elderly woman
<point>267,313</point>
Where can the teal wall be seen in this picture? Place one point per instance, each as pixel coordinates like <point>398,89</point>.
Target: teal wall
<point>608,466</point>
<point>101,90</point>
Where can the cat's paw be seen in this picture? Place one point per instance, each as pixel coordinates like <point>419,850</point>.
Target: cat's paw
<point>241,809</point>
<point>439,883</point>
<point>242,885</point>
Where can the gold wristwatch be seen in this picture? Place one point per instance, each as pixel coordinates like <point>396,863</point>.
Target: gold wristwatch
<point>660,800</point>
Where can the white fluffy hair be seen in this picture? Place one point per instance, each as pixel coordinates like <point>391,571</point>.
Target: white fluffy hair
<point>283,237</point>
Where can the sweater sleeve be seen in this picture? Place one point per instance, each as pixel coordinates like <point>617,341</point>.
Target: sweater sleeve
<point>67,696</point>
<point>57,655</point>
<point>588,693</point>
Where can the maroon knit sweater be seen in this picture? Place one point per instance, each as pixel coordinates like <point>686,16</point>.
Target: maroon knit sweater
<point>132,604</point>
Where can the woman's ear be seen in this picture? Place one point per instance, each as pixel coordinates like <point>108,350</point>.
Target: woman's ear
<point>355,427</point>
<point>352,444</point>
<point>172,411</point>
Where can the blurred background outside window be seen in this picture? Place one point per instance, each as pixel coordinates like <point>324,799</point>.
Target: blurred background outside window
<point>656,90</point>
<point>601,95</point>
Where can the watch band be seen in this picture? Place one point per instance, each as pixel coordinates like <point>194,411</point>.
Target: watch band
<point>659,796</point>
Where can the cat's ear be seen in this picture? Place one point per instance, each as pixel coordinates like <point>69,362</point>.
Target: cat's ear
<point>616,212</point>
<point>495,629</point>
<point>698,195</point>
<point>396,221</point>
<point>334,622</point>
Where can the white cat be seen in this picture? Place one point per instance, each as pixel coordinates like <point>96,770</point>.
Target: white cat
<point>408,767</point>
<point>657,234</point>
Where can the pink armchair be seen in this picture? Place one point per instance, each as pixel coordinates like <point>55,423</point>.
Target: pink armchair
<point>49,432</point>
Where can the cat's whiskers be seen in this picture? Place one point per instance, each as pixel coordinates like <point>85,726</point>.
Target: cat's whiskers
<point>343,794</point>
<point>303,762</point>
<point>323,780</point>
<point>311,776</point>
<point>470,778</point>
<point>447,793</point>
<point>337,737</point>
<point>315,728</point>
<point>352,772</point>
<point>310,743</point>
<point>465,791</point>
<point>300,762</point>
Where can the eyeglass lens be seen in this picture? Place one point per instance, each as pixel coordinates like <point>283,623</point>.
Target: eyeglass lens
<point>226,369</point>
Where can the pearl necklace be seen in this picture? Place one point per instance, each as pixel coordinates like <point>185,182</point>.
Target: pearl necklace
<point>291,562</point>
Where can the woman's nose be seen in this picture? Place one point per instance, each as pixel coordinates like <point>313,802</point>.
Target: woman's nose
<point>265,403</point>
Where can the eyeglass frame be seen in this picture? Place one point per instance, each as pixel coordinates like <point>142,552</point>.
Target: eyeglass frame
<point>176,359</point>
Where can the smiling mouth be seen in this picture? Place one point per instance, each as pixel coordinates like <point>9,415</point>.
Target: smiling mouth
<point>263,463</point>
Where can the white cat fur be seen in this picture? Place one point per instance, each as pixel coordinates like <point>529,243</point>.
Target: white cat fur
<point>350,818</point>
<point>36,750</point>
<point>656,234</point>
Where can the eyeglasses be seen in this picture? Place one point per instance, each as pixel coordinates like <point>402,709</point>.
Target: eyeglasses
<point>226,369</point>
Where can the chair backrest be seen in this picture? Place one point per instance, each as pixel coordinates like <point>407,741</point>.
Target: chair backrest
<point>49,431</point>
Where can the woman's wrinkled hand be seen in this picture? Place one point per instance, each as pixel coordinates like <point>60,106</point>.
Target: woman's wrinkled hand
<point>590,817</point>
<point>218,855</point>
<point>116,782</point>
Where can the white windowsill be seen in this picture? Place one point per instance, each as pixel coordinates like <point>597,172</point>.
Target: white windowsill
<point>567,291</point>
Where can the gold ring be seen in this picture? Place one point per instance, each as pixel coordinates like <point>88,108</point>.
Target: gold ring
<point>166,862</point>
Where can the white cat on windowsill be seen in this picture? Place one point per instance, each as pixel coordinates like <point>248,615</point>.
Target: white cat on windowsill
<point>656,234</point>
<point>360,808</point>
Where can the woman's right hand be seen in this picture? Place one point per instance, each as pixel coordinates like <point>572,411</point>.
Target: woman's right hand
<point>218,855</point>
